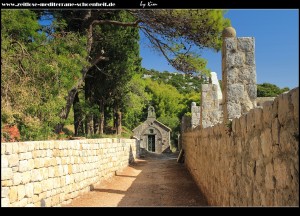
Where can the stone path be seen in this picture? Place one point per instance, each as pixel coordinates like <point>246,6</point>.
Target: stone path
<point>156,180</point>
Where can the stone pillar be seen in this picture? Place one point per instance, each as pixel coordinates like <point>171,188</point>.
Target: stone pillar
<point>238,75</point>
<point>210,113</point>
<point>214,80</point>
<point>195,110</point>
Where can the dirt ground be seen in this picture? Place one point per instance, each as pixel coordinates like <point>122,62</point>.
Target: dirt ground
<point>156,180</point>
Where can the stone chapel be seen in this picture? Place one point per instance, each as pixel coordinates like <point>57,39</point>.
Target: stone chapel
<point>153,135</point>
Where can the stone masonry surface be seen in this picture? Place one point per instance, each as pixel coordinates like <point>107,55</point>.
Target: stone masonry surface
<point>210,113</point>
<point>51,173</point>
<point>238,76</point>
<point>254,161</point>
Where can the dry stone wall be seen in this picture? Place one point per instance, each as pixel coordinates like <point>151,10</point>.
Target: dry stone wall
<point>51,173</point>
<point>254,161</point>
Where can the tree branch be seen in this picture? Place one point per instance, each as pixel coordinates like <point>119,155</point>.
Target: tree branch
<point>157,43</point>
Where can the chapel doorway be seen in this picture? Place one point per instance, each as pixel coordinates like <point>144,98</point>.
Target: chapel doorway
<point>151,143</point>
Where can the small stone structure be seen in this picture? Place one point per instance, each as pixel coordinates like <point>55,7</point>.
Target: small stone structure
<point>238,75</point>
<point>238,83</point>
<point>152,135</point>
<point>215,81</point>
<point>210,113</point>
<point>195,110</point>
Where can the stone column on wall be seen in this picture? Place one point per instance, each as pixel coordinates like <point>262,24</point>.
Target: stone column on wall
<point>210,113</point>
<point>195,121</point>
<point>238,74</point>
<point>214,80</point>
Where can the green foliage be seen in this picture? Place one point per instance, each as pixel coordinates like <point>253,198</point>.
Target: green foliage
<point>135,102</point>
<point>184,83</point>
<point>37,72</point>
<point>269,90</point>
<point>41,64</point>
<point>175,32</point>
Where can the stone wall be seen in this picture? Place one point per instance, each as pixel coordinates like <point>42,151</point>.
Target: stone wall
<point>50,173</point>
<point>254,161</point>
<point>261,100</point>
<point>238,74</point>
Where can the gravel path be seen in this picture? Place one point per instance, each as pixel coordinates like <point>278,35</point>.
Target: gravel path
<point>156,180</point>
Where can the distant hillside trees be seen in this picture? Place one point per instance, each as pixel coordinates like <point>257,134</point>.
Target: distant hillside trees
<point>269,90</point>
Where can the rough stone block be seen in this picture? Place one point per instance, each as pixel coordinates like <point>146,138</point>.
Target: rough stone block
<point>29,190</point>
<point>258,116</point>
<point>6,174</point>
<point>30,164</point>
<point>283,108</point>
<point>23,166</point>
<point>34,154</point>
<point>38,162</point>
<point>6,183</point>
<point>25,156</point>
<point>51,172</point>
<point>239,59</point>
<point>17,178</point>
<point>266,142</point>
<point>230,44</point>
<point>233,110</point>
<point>26,177</point>
<point>4,192</point>
<point>3,148</point>
<point>13,160</point>
<point>4,161</point>
<point>21,192</point>
<point>37,175</point>
<point>245,44</point>
<point>267,113</point>
<point>235,92</point>
<point>254,151</point>
<point>49,184</point>
<point>44,172</point>
<point>56,183</point>
<point>280,173</point>
<point>37,188</point>
<point>252,91</point>
<point>275,108</point>
<point>5,202</point>
<point>250,58</point>
<point>23,147</point>
<point>58,161</point>
<point>13,194</point>
<point>8,148</point>
<point>275,131</point>
<point>55,199</point>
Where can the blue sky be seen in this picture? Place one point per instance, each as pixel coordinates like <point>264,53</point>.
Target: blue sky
<point>276,34</point>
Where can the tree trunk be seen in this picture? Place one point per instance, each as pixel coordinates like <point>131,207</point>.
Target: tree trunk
<point>71,94</point>
<point>78,121</point>
<point>89,123</point>
<point>119,123</point>
<point>101,119</point>
<point>118,120</point>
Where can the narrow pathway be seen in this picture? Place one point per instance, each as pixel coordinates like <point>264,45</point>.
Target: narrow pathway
<point>156,180</point>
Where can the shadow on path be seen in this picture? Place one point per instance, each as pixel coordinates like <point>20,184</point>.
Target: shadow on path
<point>157,180</point>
